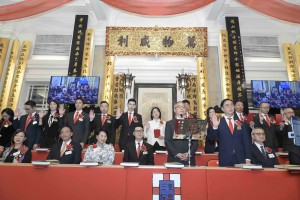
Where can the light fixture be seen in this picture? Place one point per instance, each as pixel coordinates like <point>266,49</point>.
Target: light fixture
<point>128,78</point>
<point>182,80</point>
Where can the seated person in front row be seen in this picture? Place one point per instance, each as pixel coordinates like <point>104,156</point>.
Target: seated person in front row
<point>67,151</point>
<point>139,151</point>
<point>100,152</point>
<point>260,154</point>
<point>18,152</point>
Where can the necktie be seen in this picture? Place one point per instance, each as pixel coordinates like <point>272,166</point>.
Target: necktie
<point>241,117</point>
<point>76,117</point>
<point>267,120</point>
<point>28,121</point>
<point>50,119</point>
<point>103,119</point>
<point>138,150</point>
<point>63,149</point>
<point>230,125</point>
<point>263,152</point>
<point>130,118</point>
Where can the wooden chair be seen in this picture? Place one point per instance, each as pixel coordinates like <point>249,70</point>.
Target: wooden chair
<point>213,163</point>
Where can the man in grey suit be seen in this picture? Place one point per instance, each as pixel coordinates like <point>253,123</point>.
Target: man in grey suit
<point>79,122</point>
<point>178,148</point>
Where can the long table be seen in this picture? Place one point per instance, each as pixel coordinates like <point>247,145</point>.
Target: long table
<point>159,159</point>
<point>24,181</point>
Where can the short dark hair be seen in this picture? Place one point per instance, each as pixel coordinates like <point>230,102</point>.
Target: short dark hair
<point>139,125</point>
<point>56,102</point>
<point>79,98</point>
<point>15,133</point>
<point>263,102</point>
<point>30,103</point>
<point>97,132</point>
<point>239,101</point>
<point>66,126</point>
<point>104,102</point>
<point>10,112</point>
<point>157,110</point>
<point>133,100</point>
<point>186,101</point>
<point>223,101</point>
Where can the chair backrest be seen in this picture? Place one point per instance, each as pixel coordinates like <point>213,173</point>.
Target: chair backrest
<point>213,163</point>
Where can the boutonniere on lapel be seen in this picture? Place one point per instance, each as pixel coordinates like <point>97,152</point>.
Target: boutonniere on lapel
<point>7,124</point>
<point>144,150</point>
<point>80,117</point>
<point>94,146</point>
<point>33,119</point>
<point>69,147</point>
<point>55,117</point>
<point>108,119</point>
<point>135,119</point>
<point>18,155</point>
<point>273,121</point>
<point>161,123</point>
<point>268,150</point>
<point>238,124</point>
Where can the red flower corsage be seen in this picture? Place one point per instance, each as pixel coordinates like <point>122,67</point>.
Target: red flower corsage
<point>80,117</point>
<point>32,117</point>
<point>273,121</point>
<point>144,148</point>
<point>7,124</point>
<point>94,146</point>
<point>107,117</point>
<point>161,122</point>
<point>56,115</point>
<point>238,124</point>
<point>135,119</point>
<point>69,147</point>
<point>268,150</point>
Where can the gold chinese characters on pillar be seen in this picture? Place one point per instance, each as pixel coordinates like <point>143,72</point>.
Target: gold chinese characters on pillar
<point>9,74</point>
<point>297,56</point>
<point>87,52</point>
<point>191,93</point>
<point>19,76</point>
<point>290,62</point>
<point>108,79</point>
<point>4,43</point>
<point>202,87</point>
<point>225,65</point>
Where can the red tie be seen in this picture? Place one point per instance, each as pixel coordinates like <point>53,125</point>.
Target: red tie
<point>241,117</point>
<point>230,125</point>
<point>103,119</point>
<point>138,150</point>
<point>129,118</point>
<point>76,117</point>
<point>28,121</point>
<point>263,152</point>
<point>267,120</point>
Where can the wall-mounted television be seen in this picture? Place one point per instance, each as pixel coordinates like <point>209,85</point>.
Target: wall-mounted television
<point>279,94</point>
<point>65,89</point>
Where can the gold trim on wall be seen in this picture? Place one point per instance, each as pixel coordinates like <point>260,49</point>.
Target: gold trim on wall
<point>297,56</point>
<point>9,74</point>
<point>87,52</point>
<point>19,76</point>
<point>4,43</point>
<point>225,65</point>
<point>202,87</point>
<point>141,41</point>
<point>191,94</point>
<point>108,79</point>
<point>287,49</point>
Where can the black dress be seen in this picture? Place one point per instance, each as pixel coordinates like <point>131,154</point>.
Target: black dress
<point>50,134</point>
<point>6,131</point>
<point>10,156</point>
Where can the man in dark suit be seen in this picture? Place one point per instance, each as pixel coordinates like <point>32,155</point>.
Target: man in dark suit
<point>79,122</point>
<point>239,115</point>
<point>178,148</point>
<point>294,155</point>
<point>67,151</point>
<point>260,154</point>
<point>29,123</point>
<point>286,128</point>
<point>266,122</point>
<point>103,120</point>
<point>187,114</point>
<point>128,120</point>
<point>139,151</point>
<point>234,142</point>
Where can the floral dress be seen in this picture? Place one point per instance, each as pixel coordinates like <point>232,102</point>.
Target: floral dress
<point>104,153</point>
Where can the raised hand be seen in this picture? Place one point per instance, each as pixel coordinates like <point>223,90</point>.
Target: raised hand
<point>215,121</point>
<point>119,113</point>
<point>147,126</point>
<point>42,113</point>
<point>17,112</point>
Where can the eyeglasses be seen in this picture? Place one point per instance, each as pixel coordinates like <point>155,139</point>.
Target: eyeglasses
<point>180,107</point>
<point>228,105</point>
<point>265,107</point>
<point>260,134</point>
<point>138,131</point>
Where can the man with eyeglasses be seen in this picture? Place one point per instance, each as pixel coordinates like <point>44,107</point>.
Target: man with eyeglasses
<point>234,141</point>
<point>178,148</point>
<point>139,151</point>
<point>286,129</point>
<point>261,154</point>
<point>29,123</point>
<point>266,122</point>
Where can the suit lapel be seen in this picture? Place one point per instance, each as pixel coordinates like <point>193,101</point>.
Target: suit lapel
<point>223,120</point>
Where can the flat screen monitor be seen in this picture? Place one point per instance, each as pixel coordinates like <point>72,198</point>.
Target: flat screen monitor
<point>279,94</point>
<point>65,89</point>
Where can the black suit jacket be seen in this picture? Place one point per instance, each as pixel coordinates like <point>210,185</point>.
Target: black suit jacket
<point>210,144</point>
<point>178,146</point>
<point>130,154</point>
<point>80,128</point>
<point>109,125</point>
<point>126,135</point>
<point>72,158</point>
<point>294,155</point>
<point>258,158</point>
<point>288,143</point>
<point>270,131</point>
<point>33,130</point>
<point>247,126</point>
<point>5,134</point>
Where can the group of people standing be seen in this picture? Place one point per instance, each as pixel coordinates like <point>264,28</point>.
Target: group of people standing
<point>67,134</point>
